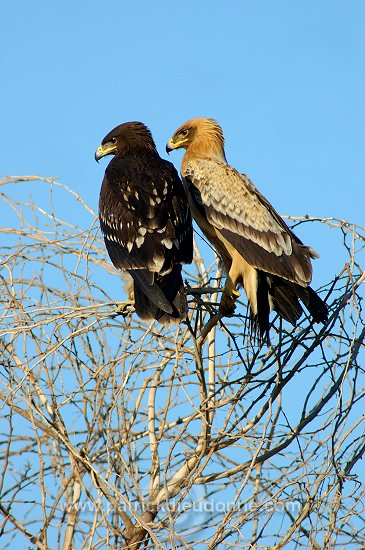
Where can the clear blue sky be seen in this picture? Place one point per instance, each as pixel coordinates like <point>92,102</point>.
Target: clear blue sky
<point>285,79</point>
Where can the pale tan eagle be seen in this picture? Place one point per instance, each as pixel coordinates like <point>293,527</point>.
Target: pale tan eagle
<point>258,249</point>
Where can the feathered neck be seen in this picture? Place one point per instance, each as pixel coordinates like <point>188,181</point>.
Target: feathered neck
<point>208,140</point>
<point>137,147</point>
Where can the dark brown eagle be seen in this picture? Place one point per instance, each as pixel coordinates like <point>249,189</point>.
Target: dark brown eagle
<point>258,250</point>
<point>145,220</point>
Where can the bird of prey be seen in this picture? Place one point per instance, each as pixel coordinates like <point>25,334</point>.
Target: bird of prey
<point>258,250</point>
<point>146,222</point>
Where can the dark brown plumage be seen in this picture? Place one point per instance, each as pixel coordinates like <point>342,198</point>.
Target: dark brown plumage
<point>145,220</point>
<point>258,249</point>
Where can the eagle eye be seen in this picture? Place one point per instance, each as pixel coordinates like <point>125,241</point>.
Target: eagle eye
<point>113,140</point>
<point>184,132</point>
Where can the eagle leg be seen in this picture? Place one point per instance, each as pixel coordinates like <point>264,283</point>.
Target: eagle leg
<point>124,308</point>
<point>227,304</point>
<point>230,294</point>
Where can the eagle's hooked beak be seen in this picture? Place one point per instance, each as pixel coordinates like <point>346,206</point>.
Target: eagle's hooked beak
<point>97,155</point>
<point>170,147</point>
<point>106,149</point>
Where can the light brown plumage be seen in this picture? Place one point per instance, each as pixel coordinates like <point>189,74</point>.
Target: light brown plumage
<point>258,249</point>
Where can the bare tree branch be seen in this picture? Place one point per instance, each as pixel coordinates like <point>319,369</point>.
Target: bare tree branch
<point>120,434</point>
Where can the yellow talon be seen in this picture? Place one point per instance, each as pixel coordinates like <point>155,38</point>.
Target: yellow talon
<point>227,305</point>
<point>124,308</point>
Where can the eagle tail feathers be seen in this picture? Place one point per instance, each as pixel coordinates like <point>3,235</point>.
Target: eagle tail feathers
<point>275,293</point>
<point>285,300</point>
<point>314,304</point>
<point>260,322</point>
<point>145,282</point>
<point>163,300</point>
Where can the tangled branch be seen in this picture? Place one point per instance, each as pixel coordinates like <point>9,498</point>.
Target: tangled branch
<point>116,432</point>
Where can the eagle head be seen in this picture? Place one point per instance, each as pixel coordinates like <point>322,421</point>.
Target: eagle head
<point>129,136</point>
